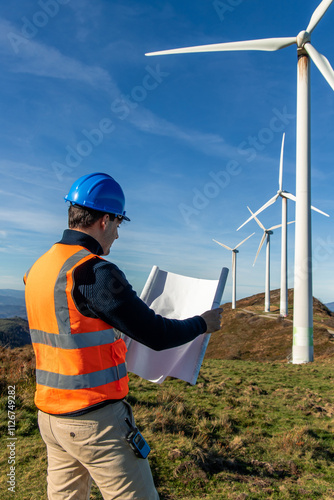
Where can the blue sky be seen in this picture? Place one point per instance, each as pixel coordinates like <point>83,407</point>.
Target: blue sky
<point>193,139</point>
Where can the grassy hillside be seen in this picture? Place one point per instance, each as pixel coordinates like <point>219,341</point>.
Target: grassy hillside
<point>253,427</point>
<point>248,333</point>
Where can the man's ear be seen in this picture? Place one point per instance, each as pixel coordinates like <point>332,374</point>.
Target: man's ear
<point>104,220</point>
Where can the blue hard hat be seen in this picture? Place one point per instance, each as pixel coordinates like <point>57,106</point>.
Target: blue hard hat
<point>98,191</point>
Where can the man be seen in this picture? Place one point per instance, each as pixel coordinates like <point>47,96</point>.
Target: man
<point>75,300</point>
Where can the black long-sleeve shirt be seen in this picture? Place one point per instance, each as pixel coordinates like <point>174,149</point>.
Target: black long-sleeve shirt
<point>101,290</point>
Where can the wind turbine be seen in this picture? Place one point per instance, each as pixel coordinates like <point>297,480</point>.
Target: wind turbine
<point>234,265</point>
<point>266,237</point>
<point>284,195</point>
<point>302,351</point>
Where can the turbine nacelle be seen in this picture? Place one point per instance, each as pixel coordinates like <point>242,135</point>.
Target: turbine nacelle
<point>302,38</point>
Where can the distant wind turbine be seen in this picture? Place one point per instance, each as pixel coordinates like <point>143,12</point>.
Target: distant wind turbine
<point>302,350</point>
<point>285,195</point>
<point>234,265</point>
<point>266,237</point>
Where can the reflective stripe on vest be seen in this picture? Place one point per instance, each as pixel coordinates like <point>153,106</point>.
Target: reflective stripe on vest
<point>86,381</point>
<point>61,306</point>
<point>88,339</point>
<point>78,361</point>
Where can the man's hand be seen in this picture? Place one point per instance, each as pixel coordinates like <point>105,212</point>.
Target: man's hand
<point>212,319</point>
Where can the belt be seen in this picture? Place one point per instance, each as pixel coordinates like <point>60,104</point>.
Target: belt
<point>83,411</point>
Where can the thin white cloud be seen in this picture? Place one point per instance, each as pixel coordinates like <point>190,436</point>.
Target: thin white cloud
<point>16,250</point>
<point>32,57</point>
<point>37,221</point>
<point>27,173</point>
<point>11,281</point>
<point>211,144</point>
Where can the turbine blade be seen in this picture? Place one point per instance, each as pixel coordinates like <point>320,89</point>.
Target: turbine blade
<point>266,205</point>
<point>243,241</point>
<point>290,196</point>
<point>267,44</point>
<point>320,211</point>
<point>318,14</point>
<point>275,227</point>
<point>280,178</point>
<point>321,63</point>
<point>222,244</point>
<point>257,220</point>
<point>242,225</point>
<point>279,225</point>
<point>260,246</point>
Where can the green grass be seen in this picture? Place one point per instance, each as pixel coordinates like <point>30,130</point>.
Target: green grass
<point>247,430</point>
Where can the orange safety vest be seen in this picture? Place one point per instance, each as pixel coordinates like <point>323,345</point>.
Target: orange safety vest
<point>78,361</point>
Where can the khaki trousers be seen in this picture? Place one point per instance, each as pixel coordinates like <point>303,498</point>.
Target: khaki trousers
<point>94,446</point>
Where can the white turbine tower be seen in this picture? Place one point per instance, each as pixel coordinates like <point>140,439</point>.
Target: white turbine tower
<point>302,351</point>
<point>284,195</point>
<point>266,237</point>
<point>234,265</point>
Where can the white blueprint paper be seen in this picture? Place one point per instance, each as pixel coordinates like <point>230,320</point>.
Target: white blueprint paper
<point>177,297</point>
